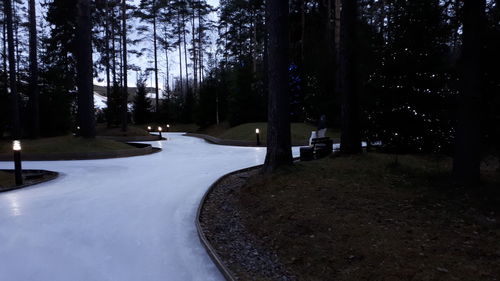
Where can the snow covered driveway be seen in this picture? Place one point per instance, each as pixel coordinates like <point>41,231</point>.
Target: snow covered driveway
<point>116,219</point>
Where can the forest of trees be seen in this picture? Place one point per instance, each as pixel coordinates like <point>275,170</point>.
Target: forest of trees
<point>398,65</point>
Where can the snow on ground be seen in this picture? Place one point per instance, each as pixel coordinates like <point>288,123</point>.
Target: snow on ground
<point>100,102</point>
<point>116,219</point>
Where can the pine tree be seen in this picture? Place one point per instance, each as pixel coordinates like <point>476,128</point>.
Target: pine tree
<point>410,84</point>
<point>113,109</point>
<point>16,124</point>
<point>4,96</point>
<point>124,103</point>
<point>86,114</point>
<point>466,164</point>
<point>350,140</point>
<point>149,12</point>
<point>58,76</point>
<point>279,150</point>
<point>33,58</point>
<point>111,56</point>
<point>166,14</point>
<point>142,104</point>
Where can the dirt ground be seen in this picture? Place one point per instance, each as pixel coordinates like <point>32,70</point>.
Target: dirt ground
<point>359,218</point>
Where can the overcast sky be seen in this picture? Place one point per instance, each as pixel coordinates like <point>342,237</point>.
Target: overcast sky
<point>146,61</point>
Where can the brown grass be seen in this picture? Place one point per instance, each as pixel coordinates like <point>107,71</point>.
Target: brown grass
<point>132,131</point>
<point>6,179</point>
<point>300,132</point>
<point>364,218</point>
<point>64,144</point>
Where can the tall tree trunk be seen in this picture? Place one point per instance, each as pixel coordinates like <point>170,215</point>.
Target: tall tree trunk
<point>337,26</point>
<point>107,51</point>
<point>167,70</point>
<point>3,38</point>
<point>180,47</point>
<point>217,107</point>
<point>302,29</point>
<point>239,50</point>
<point>120,63</point>
<point>350,139</point>
<point>124,66</point>
<point>279,150</point>
<point>193,43</point>
<point>14,98</point>
<point>4,52</point>
<point>200,46</point>
<point>253,45</point>
<point>84,69</point>
<point>456,33</point>
<point>113,44</point>
<point>156,58</point>
<point>330,29</point>
<point>34,92</point>
<point>185,51</point>
<point>15,24</point>
<point>226,53</point>
<point>466,164</point>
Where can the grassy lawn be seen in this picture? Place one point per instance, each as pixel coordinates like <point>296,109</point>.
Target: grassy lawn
<point>132,131</point>
<point>6,179</point>
<point>173,127</point>
<point>365,218</point>
<point>183,127</point>
<point>246,132</point>
<point>64,144</point>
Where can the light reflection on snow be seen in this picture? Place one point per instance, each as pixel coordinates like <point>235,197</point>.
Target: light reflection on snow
<point>15,207</point>
<point>159,144</point>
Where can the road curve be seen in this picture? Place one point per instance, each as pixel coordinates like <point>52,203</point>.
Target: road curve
<point>116,219</point>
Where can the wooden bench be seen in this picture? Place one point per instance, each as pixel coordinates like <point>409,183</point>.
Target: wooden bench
<point>320,147</point>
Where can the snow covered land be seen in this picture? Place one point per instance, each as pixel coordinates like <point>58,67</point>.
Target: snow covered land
<point>116,219</point>
<point>100,102</point>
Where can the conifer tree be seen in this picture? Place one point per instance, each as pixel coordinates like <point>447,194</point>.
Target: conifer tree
<point>33,58</point>
<point>148,12</point>
<point>86,114</point>
<point>466,163</point>
<point>350,140</point>
<point>124,103</point>
<point>142,104</point>
<point>14,98</point>
<point>279,152</point>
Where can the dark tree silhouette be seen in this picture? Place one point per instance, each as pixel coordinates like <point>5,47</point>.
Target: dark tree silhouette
<point>16,129</point>
<point>148,12</point>
<point>142,104</point>
<point>466,164</point>
<point>350,140</point>
<point>124,108</point>
<point>86,116</point>
<point>58,69</point>
<point>107,50</point>
<point>155,50</point>
<point>279,150</point>
<point>34,91</point>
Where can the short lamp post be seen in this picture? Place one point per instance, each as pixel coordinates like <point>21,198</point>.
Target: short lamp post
<point>159,131</point>
<point>257,133</point>
<point>16,146</point>
<point>168,127</point>
<point>149,129</point>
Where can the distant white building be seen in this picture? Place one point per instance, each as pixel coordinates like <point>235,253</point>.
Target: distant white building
<point>101,102</point>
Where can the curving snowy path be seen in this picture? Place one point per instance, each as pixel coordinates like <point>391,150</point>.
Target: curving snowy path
<point>116,219</point>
